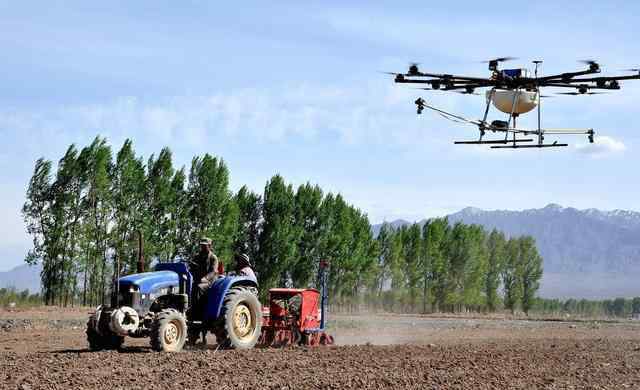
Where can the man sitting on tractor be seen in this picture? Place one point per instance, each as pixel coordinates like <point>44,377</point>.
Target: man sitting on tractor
<point>243,266</point>
<point>204,268</point>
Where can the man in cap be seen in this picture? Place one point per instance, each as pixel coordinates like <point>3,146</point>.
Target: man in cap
<point>204,269</point>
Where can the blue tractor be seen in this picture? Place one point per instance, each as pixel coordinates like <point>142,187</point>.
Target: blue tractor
<point>155,305</point>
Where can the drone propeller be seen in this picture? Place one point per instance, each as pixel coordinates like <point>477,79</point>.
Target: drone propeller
<point>593,64</point>
<point>390,73</point>
<point>499,59</point>
<point>493,64</point>
<point>636,70</point>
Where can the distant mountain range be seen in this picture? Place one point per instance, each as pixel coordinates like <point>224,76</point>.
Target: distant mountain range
<point>587,253</point>
<point>22,277</point>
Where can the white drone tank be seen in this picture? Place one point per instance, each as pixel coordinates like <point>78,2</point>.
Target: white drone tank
<point>525,101</point>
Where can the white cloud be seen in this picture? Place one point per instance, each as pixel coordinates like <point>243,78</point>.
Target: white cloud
<point>602,147</point>
<point>378,113</point>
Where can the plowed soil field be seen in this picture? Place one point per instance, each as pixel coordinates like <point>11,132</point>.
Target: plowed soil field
<point>47,350</point>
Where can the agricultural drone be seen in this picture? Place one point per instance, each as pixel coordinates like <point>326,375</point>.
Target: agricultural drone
<point>514,92</point>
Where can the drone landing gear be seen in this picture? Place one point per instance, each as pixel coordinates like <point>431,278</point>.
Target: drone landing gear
<point>514,146</point>
<point>505,126</point>
<point>489,142</point>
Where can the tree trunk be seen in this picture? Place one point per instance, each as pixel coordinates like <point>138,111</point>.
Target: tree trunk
<point>424,296</point>
<point>84,279</point>
<point>140,267</point>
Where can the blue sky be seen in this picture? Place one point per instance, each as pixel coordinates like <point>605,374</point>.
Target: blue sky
<point>293,87</point>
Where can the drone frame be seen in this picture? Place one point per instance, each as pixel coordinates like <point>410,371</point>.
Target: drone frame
<point>502,80</point>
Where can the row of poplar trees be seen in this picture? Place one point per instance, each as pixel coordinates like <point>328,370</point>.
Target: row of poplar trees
<point>437,266</point>
<point>89,215</point>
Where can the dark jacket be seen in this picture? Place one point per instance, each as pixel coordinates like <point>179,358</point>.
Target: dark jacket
<point>204,266</point>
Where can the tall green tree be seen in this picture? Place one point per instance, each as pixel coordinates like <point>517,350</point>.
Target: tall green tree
<point>360,260</point>
<point>279,234</point>
<point>635,305</point>
<point>130,211</point>
<point>212,211</point>
<point>384,259</point>
<point>426,250</point>
<point>412,256</point>
<point>458,253</point>
<point>36,213</point>
<point>475,268</point>
<point>496,248</point>
<point>97,166</point>
<point>531,268</point>
<point>249,223</point>
<point>67,212</point>
<point>308,199</point>
<point>389,265</point>
<point>512,275</point>
<point>165,197</point>
<point>181,224</point>
<point>437,243</point>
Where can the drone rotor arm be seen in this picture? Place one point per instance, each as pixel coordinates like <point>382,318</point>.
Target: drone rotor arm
<point>584,85</point>
<point>466,85</point>
<point>565,77</point>
<point>609,78</point>
<point>447,77</point>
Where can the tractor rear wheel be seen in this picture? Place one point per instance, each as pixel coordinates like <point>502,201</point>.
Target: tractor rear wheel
<point>241,319</point>
<point>105,341</point>
<point>168,331</point>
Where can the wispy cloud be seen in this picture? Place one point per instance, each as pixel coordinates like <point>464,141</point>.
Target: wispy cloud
<point>602,147</point>
<point>378,113</point>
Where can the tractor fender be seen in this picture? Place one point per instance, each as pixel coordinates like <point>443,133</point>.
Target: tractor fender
<point>219,289</point>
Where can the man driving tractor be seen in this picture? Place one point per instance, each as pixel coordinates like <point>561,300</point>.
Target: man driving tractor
<point>204,268</point>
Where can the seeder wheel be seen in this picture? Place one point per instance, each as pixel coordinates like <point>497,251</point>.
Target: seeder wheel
<point>326,339</point>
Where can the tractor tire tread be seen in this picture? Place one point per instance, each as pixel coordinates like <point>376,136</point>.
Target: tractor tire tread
<point>223,331</point>
<point>159,321</point>
<point>99,342</point>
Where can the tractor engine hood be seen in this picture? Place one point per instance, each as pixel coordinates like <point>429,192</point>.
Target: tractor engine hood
<point>148,282</point>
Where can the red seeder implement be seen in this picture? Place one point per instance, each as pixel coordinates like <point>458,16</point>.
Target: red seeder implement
<point>296,316</point>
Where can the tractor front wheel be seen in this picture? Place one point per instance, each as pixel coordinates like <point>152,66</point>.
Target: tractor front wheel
<point>105,341</point>
<point>168,331</point>
<point>241,320</point>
